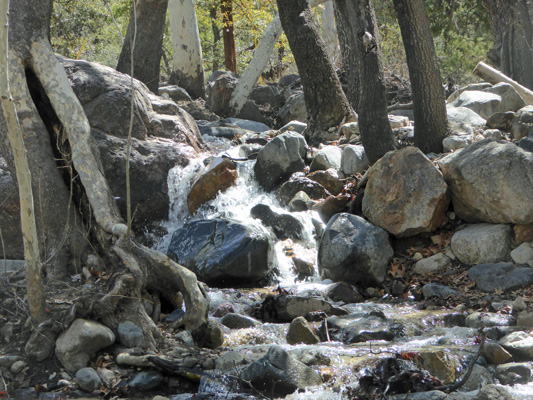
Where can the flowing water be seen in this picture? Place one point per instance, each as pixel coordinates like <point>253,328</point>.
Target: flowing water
<point>425,330</point>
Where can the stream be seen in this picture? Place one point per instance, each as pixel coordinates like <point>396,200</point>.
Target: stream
<point>424,331</point>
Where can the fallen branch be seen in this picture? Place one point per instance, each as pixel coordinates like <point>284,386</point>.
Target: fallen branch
<point>494,76</point>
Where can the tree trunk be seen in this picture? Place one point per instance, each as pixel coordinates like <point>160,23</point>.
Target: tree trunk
<point>258,63</point>
<point>188,69</point>
<point>76,210</point>
<point>36,300</point>
<point>230,55</point>
<point>429,102</point>
<point>330,31</point>
<point>326,103</point>
<point>376,133</point>
<point>146,32</point>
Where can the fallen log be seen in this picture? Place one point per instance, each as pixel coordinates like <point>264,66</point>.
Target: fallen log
<point>494,76</point>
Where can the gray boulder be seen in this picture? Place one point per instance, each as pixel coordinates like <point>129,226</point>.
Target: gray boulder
<point>526,143</point>
<point>300,332</point>
<point>278,374</point>
<point>221,253</point>
<point>293,109</point>
<point>519,344</point>
<point>511,373</point>
<point>472,86</point>
<point>279,159</point>
<point>88,379</point>
<point>523,254</point>
<point>146,380</point>
<point>501,276</point>
<point>311,188</point>
<point>435,263</point>
<point>218,91</point>
<point>486,319</point>
<point>511,100</point>
<point>465,116</point>
<point>490,181</point>
<point>130,335</point>
<point>327,157</point>
<point>238,321</point>
<point>265,94</point>
<point>353,160</point>
<point>436,290</point>
<point>296,126</point>
<point>455,142</point>
<point>76,346</point>
<point>405,194</point>
<point>329,179</point>
<point>482,243</point>
<point>253,126</point>
<point>522,122</point>
<point>483,103</point>
<point>284,225</point>
<point>353,250</point>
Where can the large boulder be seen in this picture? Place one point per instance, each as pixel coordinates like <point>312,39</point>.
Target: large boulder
<point>511,100</point>
<point>218,91</point>
<point>465,116</point>
<point>500,276</point>
<point>327,157</point>
<point>278,374</point>
<point>482,243</point>
<point>490,181</point>
<point>163,136</point>
<point>353,160</point>
<point>354,251</point>
<point>280,158</point>
<point>483,103</point>
<point>221,253</point>
<point>221,174</point>
<point>294,109</point>
<point>284,225</point>
<point>289,189</point>
<point>76,346</point>
<point>405,194</point>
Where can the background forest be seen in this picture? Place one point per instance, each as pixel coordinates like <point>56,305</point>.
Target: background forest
<point>89,30</point>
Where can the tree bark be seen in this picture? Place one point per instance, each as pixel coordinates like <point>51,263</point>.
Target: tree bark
<point>376,133</point>
<point>36,298</point>
<point>330,30</point>
<point>149,25</point>
<point>326,103</point>
<point>230,55</point>
<point>76,210</point>
<point>188,67</point>
<point>429,102</point>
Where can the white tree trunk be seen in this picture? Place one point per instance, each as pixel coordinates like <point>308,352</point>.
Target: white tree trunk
<point>259,62</point>
<point>188,68</point>
<point>35,290</point>
<point>330,30</point>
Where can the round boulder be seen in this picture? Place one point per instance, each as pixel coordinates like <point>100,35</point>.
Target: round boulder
<point>405,194</point>
<point>353,250</point>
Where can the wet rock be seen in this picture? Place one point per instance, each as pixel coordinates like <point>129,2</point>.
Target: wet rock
<point>237,321</point>
<point>356,328</point>
<point>221,174</point>
<point>501,276</point>
<point>483,103</point>
<point>463,115</point>
<point>436,290</point>
<point>405,193</point>
<point>221,253</point>
<point>485,319</point>
<point>278,374</point>
<point>147,380</point>
<point>130,335</point>
<point>342,291</point>
<point>522,122</point>
<point>279,159</point>
<point>326,157</point>
<point>482,243</point>
<point>303,268</point>
<point>293,109</point>
<point>479,378</point>
<point>311,356</point>
<point>501,120</point>
<point>287,307</point>
<point>519,344</point>
<point>229,361</point>
<point>80,342</point>
<point>511,373</point>
<point>299,202</point>
<point>331,205</point>
<point>300,332</point>
<point>329,179</point>
<point>221,130</point>
<point>495,353</point>
<point>289,189</point>
<point>284,225</point>
<point>88,379</point>
<point>249,125</point>
<point>523,254</point>
<point>439,364</point>
<point>435,263</point>
<point>218,91</point>
<point>489,182</point>
<point>353,250</point>
<point>494,392</point>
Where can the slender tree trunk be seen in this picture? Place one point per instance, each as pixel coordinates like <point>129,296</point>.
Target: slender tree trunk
<point>230,55</point>
<point>150,26</point>
<point>259,62</point>
<point>326,103</point>
<point>36,298</point>
<point>331,38</point>
<point>376,133</point>
<point>188,69</point>
<point>429,103</point>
